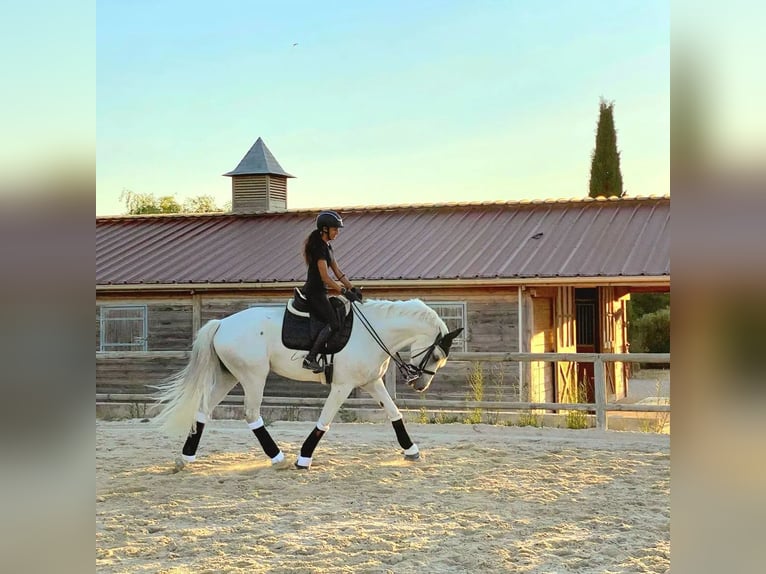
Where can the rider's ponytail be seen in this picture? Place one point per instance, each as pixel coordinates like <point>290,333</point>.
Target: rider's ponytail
<point>314,238</point>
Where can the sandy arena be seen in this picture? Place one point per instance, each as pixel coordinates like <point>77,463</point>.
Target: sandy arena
<point>483,499</point>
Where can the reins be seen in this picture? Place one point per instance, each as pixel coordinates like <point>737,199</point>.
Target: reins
<point>408,371</point>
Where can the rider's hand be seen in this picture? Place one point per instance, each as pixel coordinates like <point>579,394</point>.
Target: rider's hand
<point>350,294</point>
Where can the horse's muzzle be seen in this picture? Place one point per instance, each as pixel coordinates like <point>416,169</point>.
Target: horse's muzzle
<point>419,385</point>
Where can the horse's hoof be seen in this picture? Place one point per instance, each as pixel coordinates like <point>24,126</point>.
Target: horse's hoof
<point>179,465</point>
<point>301,467</point>
<point>283,464</point>
<point>412,457</point>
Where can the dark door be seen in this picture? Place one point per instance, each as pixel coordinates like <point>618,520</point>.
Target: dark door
<point>586,320</point>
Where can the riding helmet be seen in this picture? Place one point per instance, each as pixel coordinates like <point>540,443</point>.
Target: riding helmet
<point>329,219</point>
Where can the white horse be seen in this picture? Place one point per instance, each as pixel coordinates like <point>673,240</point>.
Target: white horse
<point>248,345</point>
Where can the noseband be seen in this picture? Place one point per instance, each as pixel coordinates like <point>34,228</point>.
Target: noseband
<point>414,372</point>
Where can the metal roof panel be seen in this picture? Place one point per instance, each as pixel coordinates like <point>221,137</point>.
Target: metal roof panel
<point>625,237</point>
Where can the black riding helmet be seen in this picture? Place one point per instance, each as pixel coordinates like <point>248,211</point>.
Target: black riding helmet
<point>329,219</point>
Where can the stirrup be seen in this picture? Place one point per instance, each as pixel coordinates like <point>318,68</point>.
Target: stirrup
<point>314,365</point>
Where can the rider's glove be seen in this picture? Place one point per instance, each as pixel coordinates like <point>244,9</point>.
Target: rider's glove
<point>351,294</point>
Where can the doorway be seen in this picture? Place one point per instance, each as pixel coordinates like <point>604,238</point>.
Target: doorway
<point>587,322</point>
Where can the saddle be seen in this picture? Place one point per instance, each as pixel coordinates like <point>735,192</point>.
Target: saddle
<point>300,328</point>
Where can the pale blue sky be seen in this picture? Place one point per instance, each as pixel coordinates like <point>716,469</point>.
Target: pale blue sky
<point>380,102</point>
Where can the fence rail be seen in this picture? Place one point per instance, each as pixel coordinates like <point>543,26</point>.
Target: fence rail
<point>600,406</point>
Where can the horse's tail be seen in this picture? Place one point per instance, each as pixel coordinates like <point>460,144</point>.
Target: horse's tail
<point>188,391</point>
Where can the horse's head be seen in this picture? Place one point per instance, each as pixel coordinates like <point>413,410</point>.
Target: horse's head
<point>427,357</point>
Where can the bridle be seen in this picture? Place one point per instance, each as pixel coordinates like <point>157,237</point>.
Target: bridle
<point>408,371</point>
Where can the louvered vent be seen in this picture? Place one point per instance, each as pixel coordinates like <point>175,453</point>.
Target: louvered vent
<point>278,192</point>
<point>252,193</point>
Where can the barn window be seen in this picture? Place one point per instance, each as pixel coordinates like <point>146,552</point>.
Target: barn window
<point>453,314</point>
<point>123,328</point>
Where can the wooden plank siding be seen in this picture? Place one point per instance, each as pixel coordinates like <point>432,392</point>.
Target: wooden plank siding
<point>491,325</point>
<point>134,375</point>
<point>169,325</point>
<point>566,342</point>
<point>543,340</point>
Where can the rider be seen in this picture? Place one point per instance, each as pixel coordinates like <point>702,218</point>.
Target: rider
<point>317,251</point>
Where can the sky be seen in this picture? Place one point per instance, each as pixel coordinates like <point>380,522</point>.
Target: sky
<point>374,103</point>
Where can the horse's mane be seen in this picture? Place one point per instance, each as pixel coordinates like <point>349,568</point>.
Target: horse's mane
<point>414,307</point>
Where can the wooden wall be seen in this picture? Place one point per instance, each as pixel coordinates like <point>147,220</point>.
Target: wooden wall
<point>169,327</point>
<point>135,375</point>
<point>492,325</point>
<point>169,324</point>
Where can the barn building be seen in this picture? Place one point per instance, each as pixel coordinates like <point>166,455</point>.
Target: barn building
<point>529,276</point>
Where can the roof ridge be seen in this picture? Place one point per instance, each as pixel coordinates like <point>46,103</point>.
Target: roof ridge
<point>502,202</point>
<point>394,207</point>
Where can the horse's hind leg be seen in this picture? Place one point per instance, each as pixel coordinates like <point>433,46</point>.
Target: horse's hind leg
<point>189,452</point>
<point>253,385</point>
<point>377,390</point>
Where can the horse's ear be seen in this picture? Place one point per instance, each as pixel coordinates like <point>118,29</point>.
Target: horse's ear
<point>446,341</point>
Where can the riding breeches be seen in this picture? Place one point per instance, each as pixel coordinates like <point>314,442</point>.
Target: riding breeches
<point>323,309</point>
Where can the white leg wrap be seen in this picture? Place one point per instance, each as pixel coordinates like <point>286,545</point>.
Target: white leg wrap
<point>304,461</point>
<point>189,457</point>
<point>279,458</point>
<point>256,424</point>
<point>322,427</point>
<point>201,418</point>
<point>412,450</point>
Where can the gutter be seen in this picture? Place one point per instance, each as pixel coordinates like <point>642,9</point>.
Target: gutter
<point>636,280</point>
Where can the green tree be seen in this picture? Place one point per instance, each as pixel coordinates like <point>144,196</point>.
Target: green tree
<point>201,204</point>
<point>147,203</point>
<point>138,203</point>
<point>649,324</point>
<point>168,204</point>
<point>641,304</point>
<point>605,175</point>
<point>652,333</point>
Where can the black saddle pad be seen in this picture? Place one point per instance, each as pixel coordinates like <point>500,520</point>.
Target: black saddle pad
<point>299,331</point>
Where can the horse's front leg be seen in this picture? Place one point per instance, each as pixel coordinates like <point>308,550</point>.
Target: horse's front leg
<point>338,394</point>
<point>378,392</point>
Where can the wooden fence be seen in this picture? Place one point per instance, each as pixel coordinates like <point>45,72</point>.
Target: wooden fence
<point>600,406</point>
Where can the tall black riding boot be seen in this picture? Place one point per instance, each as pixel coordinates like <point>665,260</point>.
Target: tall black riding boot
<point>310,362</point>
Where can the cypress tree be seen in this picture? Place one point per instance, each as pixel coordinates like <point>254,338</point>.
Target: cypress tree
<point>605,175</point>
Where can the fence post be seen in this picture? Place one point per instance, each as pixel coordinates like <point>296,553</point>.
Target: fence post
<point>390,380</point>
<point>599,385</point>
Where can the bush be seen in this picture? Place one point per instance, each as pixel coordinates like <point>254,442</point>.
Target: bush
<point>577,420</point>
<point>652,333</point>
<point>641,304</point>
<point>476,382</point>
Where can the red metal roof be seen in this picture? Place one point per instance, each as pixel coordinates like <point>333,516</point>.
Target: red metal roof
<point>535,239</point>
